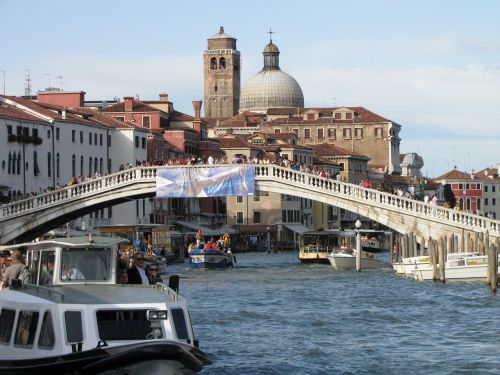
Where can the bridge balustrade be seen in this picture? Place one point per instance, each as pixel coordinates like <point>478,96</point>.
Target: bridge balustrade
<point>269,172</point>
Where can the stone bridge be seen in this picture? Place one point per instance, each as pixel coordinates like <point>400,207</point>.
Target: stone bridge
<point>26,219</point>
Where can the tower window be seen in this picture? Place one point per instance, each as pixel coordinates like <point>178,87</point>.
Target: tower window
<point>215,88</point>
<point>213,63</point>
<point>222,63</point>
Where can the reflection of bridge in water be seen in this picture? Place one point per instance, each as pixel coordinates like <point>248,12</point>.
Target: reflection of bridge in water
<point>26,219</point>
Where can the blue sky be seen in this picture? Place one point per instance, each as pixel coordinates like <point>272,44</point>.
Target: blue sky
<point>431,66</point>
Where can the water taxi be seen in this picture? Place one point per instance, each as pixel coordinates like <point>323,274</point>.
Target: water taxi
<point>201,258</point>
<point>345,259</point>
<point>74,318</point>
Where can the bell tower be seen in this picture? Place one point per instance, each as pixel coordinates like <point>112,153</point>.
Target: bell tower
<point>221,67</point>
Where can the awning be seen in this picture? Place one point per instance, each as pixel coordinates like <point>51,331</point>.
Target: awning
<point>297,228</point>
<point>205,230</point>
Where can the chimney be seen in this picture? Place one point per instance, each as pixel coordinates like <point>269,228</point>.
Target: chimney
<point>163,97</point>
<point>63,113</point>
<point>129,103</point>
<point>197,108</point>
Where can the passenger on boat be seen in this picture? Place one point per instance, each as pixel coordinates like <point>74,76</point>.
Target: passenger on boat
<point>4,256</point>
<point>199,237</point>
<point>153,276</point>
<point>227,240</point>
<point>192,246</point>
<point>12,272</point>
<point>121,272</point>
<point>208,245</point>
<point>136,273</point>
<point>69,273</point>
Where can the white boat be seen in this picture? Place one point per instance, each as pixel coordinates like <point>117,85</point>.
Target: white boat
<point>458,267</point>
<point>75,318</point>
<point>345,259</point>
<point>315,246</point>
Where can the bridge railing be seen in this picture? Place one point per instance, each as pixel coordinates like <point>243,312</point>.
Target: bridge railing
<point>379,198</point>
<point>263,171</point>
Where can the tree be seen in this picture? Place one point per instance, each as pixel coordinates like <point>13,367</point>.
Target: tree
<point>449,196</point>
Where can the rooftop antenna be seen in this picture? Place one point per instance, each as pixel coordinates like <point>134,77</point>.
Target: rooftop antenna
<point>27,84</point>
<point>271,32</point>
<point>48,74</point>
<point>60,81</point>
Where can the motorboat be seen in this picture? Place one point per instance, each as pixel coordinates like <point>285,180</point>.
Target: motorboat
<point>374,244</point>
<point>74,318</point>
<point>408,265</point>
<point>201,258</point>
<point>458,267</point>
<point>344,258</point>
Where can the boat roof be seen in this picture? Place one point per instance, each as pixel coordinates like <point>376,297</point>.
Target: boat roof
<point>333,233</point>
<point>92,294</point>
<point>69,242</point>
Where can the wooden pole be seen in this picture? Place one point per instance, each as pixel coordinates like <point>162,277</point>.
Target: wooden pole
<point>358,251</point>
<point>442,272</point>
<point>433,259</point>
<point>492,267</point>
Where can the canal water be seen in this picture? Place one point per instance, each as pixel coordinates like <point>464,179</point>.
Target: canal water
<point>272,315</point>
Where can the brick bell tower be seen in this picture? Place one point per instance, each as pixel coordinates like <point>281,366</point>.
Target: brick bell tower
<point>221,66</point>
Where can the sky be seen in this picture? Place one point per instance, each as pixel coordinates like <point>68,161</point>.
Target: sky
<point>431,66</point>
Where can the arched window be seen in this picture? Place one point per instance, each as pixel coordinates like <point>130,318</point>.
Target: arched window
<point>213,63</point>
<point>36,170</point>
<point>14,159</point>
<point>10,162</point>
<point>109,165</point>
<point>49,164</point>
<point>19,163</point>
<point>81,166</point>
<point>57,165</point>
<point>222,63</point>
<point>73,166</point>
<point>90,166</point>
<point>95,165</point>
<point>101,169</point>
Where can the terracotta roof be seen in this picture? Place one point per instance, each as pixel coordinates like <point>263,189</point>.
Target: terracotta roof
<point>487,173</point>
<point>365,116</point>
<point>179,116</point>
<point>455,174</point>
<point>137,106</point>
<point>236,142</point>
<point>243,119</point>
<point>17,114</point>
<point>328,149</point>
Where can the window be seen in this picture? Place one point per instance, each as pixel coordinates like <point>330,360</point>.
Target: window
<point>26,328</point>
<point>478,203</point>
<point>81,137</point>
<point>109,140</point>
<point>137,141</point>
<point>485,188</point>
<point>296,131</point>
<point>74,328</point>
<point>239,199</point>
<point>256,197</point>
<point>256,217</point>
<point>338,116</point>
<point>19,162</point>
<point>120,118</point>
<point>95,139</point>
<point>310,116</point>
<point>48,133</point>
<point>47,339</point>
<point>143,142</point>
<point>358,133</point>
<point>346,133</point>
<point>57,165</point>
<point>180,324</point>
<point>332,133</point>
<point>348,116</point>
<point>6,324</point>
<point>81,166</point>
<point>9,129</point>
<point>493,188</point>
<point>73,165</point>
<point>146,121</point>
<point>35,133</point>
<point>90,166</point>
<point>277,131</point>
<point>320,134</point>
<point>239,217</point>
<point>485,201</point>
<point>49,164</point>
<point>222,63</point>
<point>461,186</point>
<point>467,186</point>
<point>493,201</point>
<point>73,135</point>
<point>307,133</point>
<point>213,63</point>
<point>123,324</point>
<point>100,139</point>
<point>283,216</point>
<point>57,134</point>
<point>19,130</point>
<point>90,138</point>
<point>36,170</point>
<point>378,132</point>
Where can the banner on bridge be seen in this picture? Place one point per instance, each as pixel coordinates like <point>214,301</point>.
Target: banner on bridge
<point>205,182</point>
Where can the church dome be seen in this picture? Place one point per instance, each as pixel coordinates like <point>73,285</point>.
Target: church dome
<point>271,87</point>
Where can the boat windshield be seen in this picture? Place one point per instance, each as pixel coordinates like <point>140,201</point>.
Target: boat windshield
<point>89,264</point>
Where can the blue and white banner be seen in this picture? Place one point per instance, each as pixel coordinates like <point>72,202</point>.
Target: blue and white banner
<point>205,182</point>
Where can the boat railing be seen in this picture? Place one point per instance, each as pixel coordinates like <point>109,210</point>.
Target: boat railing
<point>168,291</point>
<point>315,249</point>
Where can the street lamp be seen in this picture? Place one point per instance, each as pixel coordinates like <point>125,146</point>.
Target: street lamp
<point>268,239</point>
<point>358,245</point>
